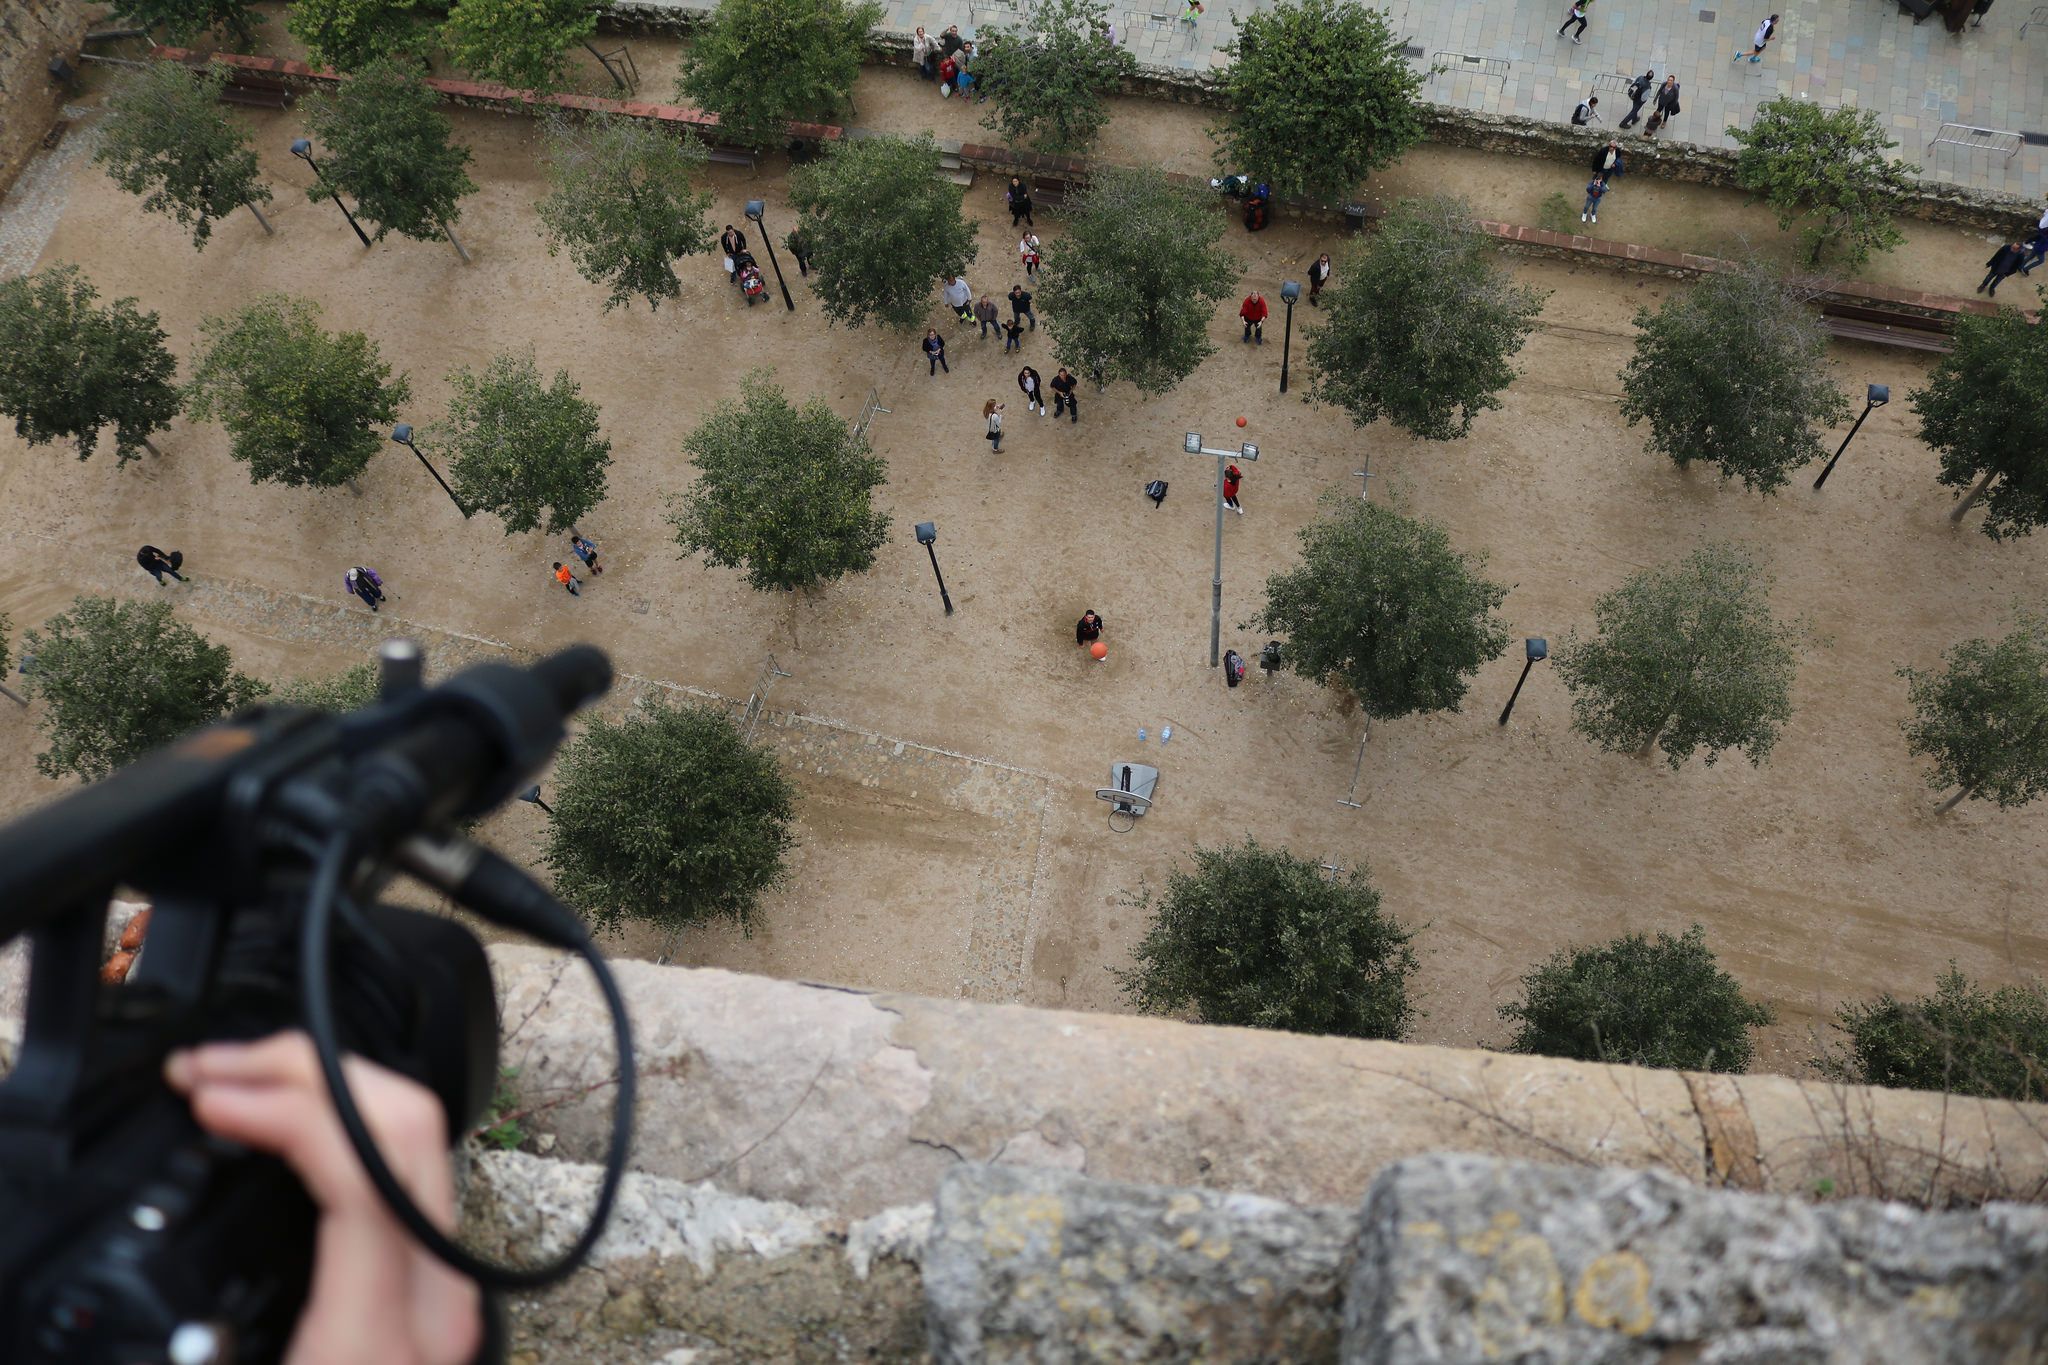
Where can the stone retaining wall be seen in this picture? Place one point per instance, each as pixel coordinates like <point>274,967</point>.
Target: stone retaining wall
<point>31,33</point>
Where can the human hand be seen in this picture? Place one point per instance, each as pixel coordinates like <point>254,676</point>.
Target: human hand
<point>378,1297</point>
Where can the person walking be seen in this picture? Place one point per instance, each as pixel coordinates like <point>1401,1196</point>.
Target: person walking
<point>1253,311</point>
<point>1639,92</point>
<point>1596,189</point>
<point>1063,399</point>
<point>924,50</point>
<point>1020,305</point>
<point>1607,163</point>
<point>2036,250</point>
<point>1033,389</point>
<point>569,581</point>
<point>1191,13</point>
<point>1232,477</point>
<point>1763,38</point>
<point>799,247</point>
<point>1318,276</point>
<point>1018,197</point>
<point>992,418</point>
<point>988,316</point>
<point>960,299</point>
<point>1666,107</point>
<point>935,351</point>
<point>156,563</point>
<point>364,583</point>
<point>1586,112</point>
<point>586,550</point>
<point>1088,629</point>
<point>734,243</point>
<point>1577,16</point>
<point>2004,262</point>
<point>1027,254</point>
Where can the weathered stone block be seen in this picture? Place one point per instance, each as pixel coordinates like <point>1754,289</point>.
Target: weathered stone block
<point>1463,1258</point>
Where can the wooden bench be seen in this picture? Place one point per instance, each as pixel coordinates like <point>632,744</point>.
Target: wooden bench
<point>1051,191</point>
<point>256,92</point>
<point>1885,327</point>
<point>732,156</point>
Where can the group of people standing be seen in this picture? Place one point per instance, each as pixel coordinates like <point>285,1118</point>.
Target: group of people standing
<point>944,59</point>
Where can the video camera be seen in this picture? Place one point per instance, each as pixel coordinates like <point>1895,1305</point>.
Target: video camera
<point>129,1235</point>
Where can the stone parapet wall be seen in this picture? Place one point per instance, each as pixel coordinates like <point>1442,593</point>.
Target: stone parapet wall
<point>31,33</point>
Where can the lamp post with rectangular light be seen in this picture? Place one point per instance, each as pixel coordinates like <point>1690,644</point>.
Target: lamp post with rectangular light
<point>302,148</point>
<point>1289,292</point>
<point>402,434</point>
<point>927,533</point>
<point>1876,396</point>
<point>755,208</point>
<point>1192,445</point>
<point>1534,651</point>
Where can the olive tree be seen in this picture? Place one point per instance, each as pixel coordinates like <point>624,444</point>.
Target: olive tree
<point>6,636</point>
<point>1637,1003</point>
<point>166,137</point>
<point>184,20</point>
<point>1983,719</point>
<point>1733,372</point>
<point>1961,1040</point>
<point>527,451</point>
<point>1424,326</point>
<point>68,368</point>
<point>1687,655</point>
<point>760,64</point>
<point>119,678</point>
<point>520,43</point>
<point>302,406</point>
<point>623,201</point>
<point>1827,166</point>
<point>349,690</point>
<point>1048,78</point>
<point>1319,95</point>
<point>1255,937</point>
<point>1383,605</point>
<point>1981,411</point>
<point>386,144</point>
<point>348,35</point>
<point>1129,291</point>
<point>883,225</point>
<point>785,492</point>
<point>668,817</point>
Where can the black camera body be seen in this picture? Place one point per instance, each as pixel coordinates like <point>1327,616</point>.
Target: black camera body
<point>129,1235</point>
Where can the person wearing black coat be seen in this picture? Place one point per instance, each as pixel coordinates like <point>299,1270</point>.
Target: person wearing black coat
<point>1639,90</point>
<point>2003,262</point>
<point>1607,163</point>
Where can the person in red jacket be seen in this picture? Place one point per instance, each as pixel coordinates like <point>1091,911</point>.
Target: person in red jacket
<point>1254,314</point>
<point>1232,477</point>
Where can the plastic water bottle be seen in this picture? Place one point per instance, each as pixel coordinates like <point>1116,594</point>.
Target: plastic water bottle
<point>1166,734</point>
<point>1141,734</point>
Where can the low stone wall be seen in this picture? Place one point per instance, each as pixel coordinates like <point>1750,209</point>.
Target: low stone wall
<point>31,33</point>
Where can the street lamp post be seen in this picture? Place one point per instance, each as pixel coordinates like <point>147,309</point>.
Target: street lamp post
<point>402,433</point>
<point>1876,396</point>
<point>755,208</point>
<point>1192,444</point>
<point>531,796</point>
<point>1536,651</point>
<point>927,533</point>
<point>1289,292</point>
<point>302,148</point>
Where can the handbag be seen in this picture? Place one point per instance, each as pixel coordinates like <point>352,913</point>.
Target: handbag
<point>1156,490</point>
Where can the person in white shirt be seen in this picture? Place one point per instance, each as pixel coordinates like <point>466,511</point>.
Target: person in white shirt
<point>924,50</point>
<point>1763,37</point>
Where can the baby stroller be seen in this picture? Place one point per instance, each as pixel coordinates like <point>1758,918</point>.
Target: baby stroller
<point>751,284</point>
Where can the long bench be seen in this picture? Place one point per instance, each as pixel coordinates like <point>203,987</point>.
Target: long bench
<point>1886,327</point>
<point>255,92</point>
<point>732,156</point>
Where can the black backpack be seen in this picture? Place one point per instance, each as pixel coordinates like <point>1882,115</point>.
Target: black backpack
<point>1156,490</point>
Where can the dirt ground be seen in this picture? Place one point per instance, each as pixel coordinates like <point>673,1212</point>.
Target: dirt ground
<point>951,841</point>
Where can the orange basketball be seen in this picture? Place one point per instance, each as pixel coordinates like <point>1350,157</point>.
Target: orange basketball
<point>1099,650</point>
<point>1240,421</point>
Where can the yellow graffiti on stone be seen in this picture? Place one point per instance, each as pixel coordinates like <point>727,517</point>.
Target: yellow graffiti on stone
<point>1013,1220</point>
<point>1525,1288</point>
<point>1936,1301</point>
<point>1614,1293</point>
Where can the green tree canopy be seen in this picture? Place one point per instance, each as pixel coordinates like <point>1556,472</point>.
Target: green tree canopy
<point>1733,372</point>
<point>1423,325</point>
<point>622,200</point>
<point>527,451</point>
<point>119,678</point>
<point>1258,938</point>
<point>785,492</point>
<point>761,64</point>
<point>1050,76</point>
<point>1983,719</point>
<point>1319,96</point>
<point>68,368</point>
<point>520,43</point>
<point>1963,1039</point>
<point>1687,654</point>
<point>668,817</point>
<point>883,224</point>
<point>302,406</point>
<point>1384,605</point>
<point>167,138</point>
<point>1129,291</point>
<point>1983,413</point>
<point>348,35</point>
<point>1637,1003</point>
<point>1827,166</point>
<point>349,690</point>
<point>183,20</point>
<point>384,142</point>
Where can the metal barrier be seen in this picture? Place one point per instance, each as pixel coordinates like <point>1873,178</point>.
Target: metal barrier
<point>1471,64</point>
<point>2039,16</point>
<point>1979,139</point>
<point>1609,80</point>
<point>867,413</point>
<point>1135,19</point>
<point>996,12</point>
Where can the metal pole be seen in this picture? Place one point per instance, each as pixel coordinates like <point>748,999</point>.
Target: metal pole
<point>944,596</point>
<point>1842,447</point>
<point>438,479</point>
<point>361,236</point>
<point>1216,579</point>
<point>1286,344</point>
<point>1526,666</point>
<point>787,301</point>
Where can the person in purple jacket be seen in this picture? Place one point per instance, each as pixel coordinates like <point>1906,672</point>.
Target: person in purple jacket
<point>364,583</point>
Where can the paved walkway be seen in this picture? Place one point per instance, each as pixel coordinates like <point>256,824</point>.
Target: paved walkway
<point>1861,52</point>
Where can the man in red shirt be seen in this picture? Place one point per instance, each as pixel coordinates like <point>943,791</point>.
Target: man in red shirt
<point>1232,477</point>
<point>1254,314</point>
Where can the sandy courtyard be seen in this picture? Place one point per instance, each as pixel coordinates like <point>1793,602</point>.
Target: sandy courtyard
<point>951,844</point>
